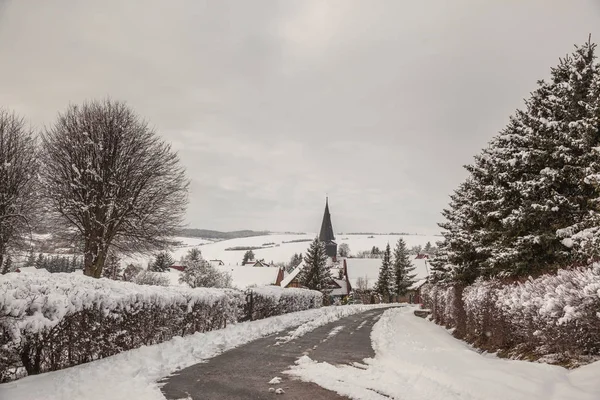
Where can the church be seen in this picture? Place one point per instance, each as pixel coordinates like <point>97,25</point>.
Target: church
<point>339,284</point>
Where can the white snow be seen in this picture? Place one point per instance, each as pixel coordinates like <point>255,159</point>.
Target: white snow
<point>37,300</point>
<point>322,320</point>
<point>335,331</point>
<point>132,375</point>
<point>242,277</point>
<point>281,251</point>
<point>279,391</point>
<point>275,381</point>
<point>418,360</point>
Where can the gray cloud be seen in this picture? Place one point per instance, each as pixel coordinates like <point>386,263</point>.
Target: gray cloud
<point>272,104</point>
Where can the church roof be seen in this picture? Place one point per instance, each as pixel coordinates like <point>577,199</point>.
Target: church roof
<point>326,234</point>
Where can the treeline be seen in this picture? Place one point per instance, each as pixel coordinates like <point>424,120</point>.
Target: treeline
<point>209,234</point>
<point>530,204</point>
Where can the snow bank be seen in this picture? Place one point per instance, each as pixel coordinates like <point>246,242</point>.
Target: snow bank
<point>417,360</point>
<point>53,321</point>
<point>132,375</point>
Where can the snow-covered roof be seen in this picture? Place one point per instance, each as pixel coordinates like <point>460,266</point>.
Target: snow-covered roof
<point>342,290</point>
<point>369,268</point>
<point>417,284</point>
<point>286,281</point>
<point>243,277</point>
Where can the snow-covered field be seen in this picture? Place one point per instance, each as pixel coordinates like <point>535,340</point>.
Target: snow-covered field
<point>418,360</point>
<point>132,375</point>
<point>281,251</point>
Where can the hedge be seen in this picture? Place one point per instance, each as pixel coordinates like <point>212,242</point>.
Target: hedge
<point>553,317</point>
<point>54,321</point>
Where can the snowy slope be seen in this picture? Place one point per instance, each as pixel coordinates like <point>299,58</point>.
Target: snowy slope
<point>418,360</point>
<point>282,252</point>
<point>132,375</point>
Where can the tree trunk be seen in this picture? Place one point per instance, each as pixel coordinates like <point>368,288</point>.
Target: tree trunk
<point>93,261</point>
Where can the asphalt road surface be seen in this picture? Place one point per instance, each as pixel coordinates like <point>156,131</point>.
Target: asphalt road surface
<point>244,372</point>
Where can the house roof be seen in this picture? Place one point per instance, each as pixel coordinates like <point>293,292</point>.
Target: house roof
<point>290,277</point>
<point>369,268</point>
<point>418,284</point>
<point>241,277</point>
<point>342,290</point>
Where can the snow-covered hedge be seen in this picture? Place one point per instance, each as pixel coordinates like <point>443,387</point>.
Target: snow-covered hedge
<point>555,314</point>
<point>53,321</point>
<point>267,301</point>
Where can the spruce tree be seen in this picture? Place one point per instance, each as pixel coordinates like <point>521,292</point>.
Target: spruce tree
<point>162,262</point>
<point>440,268</point>
<point>193,255</point>
<point>529,204</point>
<point>386,282</point>
<point>294,262</point>
<point>550,193</point>
<point>402,268</point>
<point>248,256</point>
<point>428,248</point>
<point>316,273</point>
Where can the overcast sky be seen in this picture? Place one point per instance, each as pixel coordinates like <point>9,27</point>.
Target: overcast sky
<point>274,104</point>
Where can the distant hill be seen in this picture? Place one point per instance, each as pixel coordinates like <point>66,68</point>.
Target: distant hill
<point>209,234</point>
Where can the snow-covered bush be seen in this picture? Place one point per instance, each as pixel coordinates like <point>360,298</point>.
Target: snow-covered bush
<point>200,273</point>
<point>53,321</point>
<point>483,322</point>
<point>267,301</point>
<point>556,314</point>
<point>151,278</point>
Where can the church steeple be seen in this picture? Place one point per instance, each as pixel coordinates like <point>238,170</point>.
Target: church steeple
<point>326,235</point>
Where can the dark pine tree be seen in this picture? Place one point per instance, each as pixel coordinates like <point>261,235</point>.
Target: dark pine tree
<point>162,262</point>
<point>386,283</point>
<point>402,268</point>
<point>316,273</point>
<point>248,256</point>
<point>294,262</point>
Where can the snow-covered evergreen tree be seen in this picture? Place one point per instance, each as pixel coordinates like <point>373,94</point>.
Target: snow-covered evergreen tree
<point>248,256</point>
<point>386,282</point>
<point>533,186</point>
<point>162,262</point>
<point>402,268</point>
<point>193,254</point>
<point>316,273</point>
<point>294,262</point>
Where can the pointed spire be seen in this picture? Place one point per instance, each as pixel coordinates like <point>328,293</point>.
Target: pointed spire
<point>326,234</point>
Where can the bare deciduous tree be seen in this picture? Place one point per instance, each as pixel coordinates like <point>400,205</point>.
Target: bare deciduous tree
<point>18,167</point>
<point>111,182</point>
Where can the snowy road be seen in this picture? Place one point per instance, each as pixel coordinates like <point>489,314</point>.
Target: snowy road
<point>418,360</point>
<point>245,372</point>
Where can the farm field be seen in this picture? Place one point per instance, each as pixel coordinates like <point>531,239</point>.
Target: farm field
<point>280,246</point>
